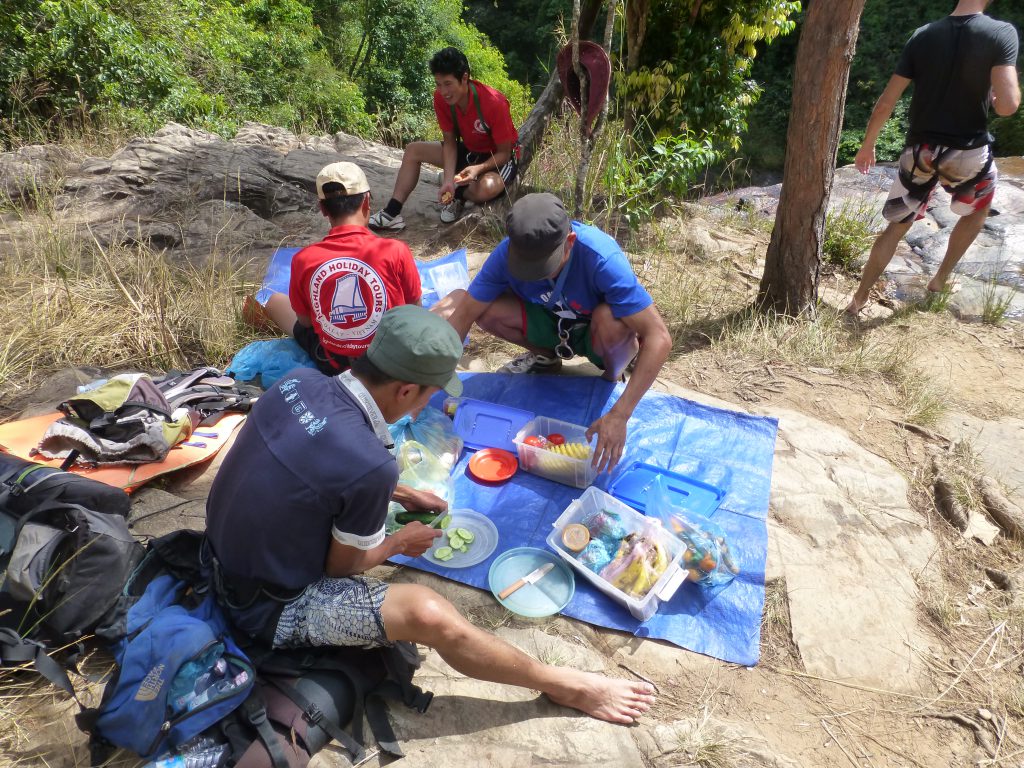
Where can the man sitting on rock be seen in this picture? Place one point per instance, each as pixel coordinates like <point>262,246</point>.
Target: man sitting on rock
<point>960,66</point>
<point>560,288</point>
<point>342,286</point>
<point>297,512</point>
<point>476,155</point>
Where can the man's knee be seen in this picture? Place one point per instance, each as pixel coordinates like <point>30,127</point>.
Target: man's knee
<point>449,303</point>
<point>502,314</point>
<point>488,187</point>
<point>416,151</point>
<point>607,328</point>
<point>426,615</point>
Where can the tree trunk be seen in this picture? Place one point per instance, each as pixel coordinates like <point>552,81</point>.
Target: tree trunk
<point>824,53</point>
<point>532,130</point>
<point>635,13</point>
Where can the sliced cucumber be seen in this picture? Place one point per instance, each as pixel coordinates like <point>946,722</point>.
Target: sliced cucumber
<point>446,521</point>
<point>466,536</point>
<point>443,553</point>
<point>455,541</point>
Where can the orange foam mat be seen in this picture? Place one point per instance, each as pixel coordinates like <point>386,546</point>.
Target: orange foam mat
<point>21,437</point>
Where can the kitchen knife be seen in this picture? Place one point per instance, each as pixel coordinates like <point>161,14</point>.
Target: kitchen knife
<point>531,578</point>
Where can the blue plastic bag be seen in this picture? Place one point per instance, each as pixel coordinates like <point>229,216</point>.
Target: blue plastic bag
<point>270,360</point>
<point>434,431</point>
<point>707,556</point>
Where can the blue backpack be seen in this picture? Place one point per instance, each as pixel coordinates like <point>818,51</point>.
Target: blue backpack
<point>176,641</point>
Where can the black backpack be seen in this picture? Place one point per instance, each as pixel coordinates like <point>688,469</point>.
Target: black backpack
<point>306,698</point>
<point>66,553</point>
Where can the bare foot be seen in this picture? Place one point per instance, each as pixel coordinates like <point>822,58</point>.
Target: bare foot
<point>606,698</point>
<point>854,307</point>
<point>950,288</point>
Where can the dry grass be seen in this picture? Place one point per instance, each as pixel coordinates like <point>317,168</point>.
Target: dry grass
<point>65,300</point>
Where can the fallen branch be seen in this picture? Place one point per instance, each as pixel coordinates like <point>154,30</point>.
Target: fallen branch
<point>948,505</point>
<point>1004,512</point>
<point>981,734</point>
<point>1001,579</point>
<point>922,431</point>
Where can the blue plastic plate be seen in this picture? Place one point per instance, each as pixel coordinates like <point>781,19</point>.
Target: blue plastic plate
<point>686,493</point>
<point>485,540</point>
<point>549,595</point>
<point>481,424</point>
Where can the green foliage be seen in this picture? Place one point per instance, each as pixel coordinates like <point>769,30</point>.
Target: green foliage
<point>322,65</point>
<point>890,139</point>
<point>694,75</point>
<point>849,232</point>
<point>639,184</point>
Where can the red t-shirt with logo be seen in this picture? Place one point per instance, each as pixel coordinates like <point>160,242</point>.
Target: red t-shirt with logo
<point>347,281</point>
<point>497,115</point>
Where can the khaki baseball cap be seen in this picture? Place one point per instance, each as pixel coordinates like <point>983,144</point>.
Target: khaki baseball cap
<point>537,228</point>
<point>415,345</point>
<point>349,175</point>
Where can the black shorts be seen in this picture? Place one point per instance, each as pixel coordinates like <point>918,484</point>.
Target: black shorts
<point>327,362</point>
<point>465,157</point>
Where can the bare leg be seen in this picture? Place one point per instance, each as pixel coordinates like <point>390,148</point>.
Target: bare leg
<point>881,254</point>
<point>485,188</point>
<point>960,239</point>
<point>613,341</point>
<point>504,319</point>
<point>279,309</point>
<point>416,153</point>
<point>415,613</point>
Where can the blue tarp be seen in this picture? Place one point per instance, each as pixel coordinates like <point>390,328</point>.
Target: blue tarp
<point>729,450</point>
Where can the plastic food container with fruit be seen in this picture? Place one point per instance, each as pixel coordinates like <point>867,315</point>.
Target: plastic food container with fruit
<point>556,450</point>
<point>628,556</point>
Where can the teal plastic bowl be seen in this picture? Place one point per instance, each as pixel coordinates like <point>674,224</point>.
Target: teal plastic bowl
<point>548,596</point>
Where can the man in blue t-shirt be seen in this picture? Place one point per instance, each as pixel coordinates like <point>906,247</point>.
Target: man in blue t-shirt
<point>560,288</point>
<point>296,515</point>
<point>960,65</point>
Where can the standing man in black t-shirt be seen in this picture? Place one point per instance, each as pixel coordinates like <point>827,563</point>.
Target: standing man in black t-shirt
<point>960,66</point>
<point>296,515</point>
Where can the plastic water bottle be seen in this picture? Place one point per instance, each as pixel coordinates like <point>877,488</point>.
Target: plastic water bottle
<point>221,686</point>
<point>204,681</point>
<point>211,755</point>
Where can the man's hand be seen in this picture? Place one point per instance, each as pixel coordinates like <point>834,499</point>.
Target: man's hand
<point>611,439</point>
<point>467,175</point>
<point>865,157</point>
<point>446,193</point>
<point>416,538</point>
<point>419,501</point>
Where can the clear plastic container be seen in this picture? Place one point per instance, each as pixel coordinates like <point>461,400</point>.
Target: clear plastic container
<point>594,500</point>
<point>576,472</point>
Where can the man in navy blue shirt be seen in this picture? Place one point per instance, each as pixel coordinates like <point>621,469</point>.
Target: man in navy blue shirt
<point>297,512</point>
<point>560,288</point>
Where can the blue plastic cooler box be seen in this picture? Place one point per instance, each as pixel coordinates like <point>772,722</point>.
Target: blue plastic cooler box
<point>482,424</point>
<point>686,493</point>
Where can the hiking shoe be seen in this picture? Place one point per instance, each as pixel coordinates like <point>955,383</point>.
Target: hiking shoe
<point>531,362</point>
<point>451,211</point>
<point>381,220</point>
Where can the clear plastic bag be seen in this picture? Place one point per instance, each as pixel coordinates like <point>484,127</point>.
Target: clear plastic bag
<point>419,468</point>
<point>434,431</point>
<point>707,559</point>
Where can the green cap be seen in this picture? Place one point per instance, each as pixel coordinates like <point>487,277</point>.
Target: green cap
<point>415,345</point>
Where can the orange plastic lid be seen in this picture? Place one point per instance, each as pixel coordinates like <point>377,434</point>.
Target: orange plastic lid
<point>493,465</point>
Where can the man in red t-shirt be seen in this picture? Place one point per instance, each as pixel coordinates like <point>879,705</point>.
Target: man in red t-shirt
<point>342,285</point>
<point>477,151</point>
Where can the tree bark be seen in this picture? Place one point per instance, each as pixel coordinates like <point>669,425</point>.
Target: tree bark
<point>827,42</point>
<point>531,133</point>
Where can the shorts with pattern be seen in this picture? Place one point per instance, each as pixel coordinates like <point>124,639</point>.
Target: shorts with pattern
<point>343,612</point>
<point>969,175</point>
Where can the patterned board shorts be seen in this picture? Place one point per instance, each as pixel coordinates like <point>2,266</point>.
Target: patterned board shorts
<point>344,612</point>
<point>967,174</point>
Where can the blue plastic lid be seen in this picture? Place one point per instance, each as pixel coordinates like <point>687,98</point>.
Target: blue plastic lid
<point>686,493</point>
<point>548,596</point>
<point>481,424</point>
